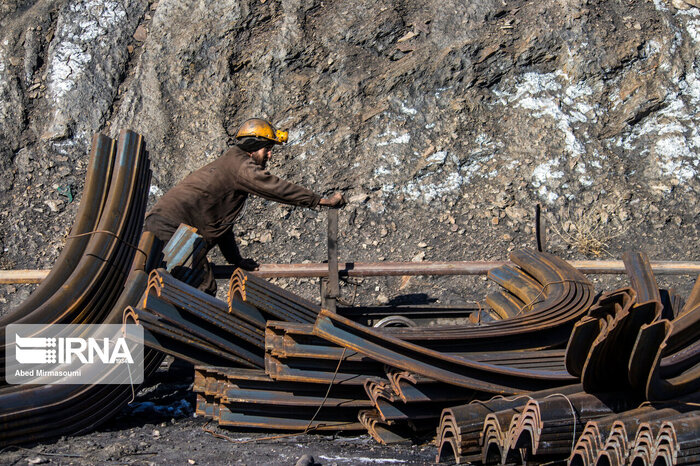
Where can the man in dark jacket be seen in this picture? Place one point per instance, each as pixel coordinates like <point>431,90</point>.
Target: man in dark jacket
<point>211,198</point>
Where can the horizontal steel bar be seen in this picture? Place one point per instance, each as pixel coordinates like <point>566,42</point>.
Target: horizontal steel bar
<point>380,269</point>
<point>377,269</point>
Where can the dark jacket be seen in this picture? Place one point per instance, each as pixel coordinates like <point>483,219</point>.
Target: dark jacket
<point>211,198</point>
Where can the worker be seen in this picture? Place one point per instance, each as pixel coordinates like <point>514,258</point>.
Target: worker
<point>212,197</point>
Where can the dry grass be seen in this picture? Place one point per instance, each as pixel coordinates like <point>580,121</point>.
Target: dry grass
<point>590,230</point>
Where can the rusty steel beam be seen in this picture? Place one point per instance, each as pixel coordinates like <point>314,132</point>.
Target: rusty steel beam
<point>549,427</point>
<point>379,269</point>
<point>95,192</point>
<point>385,433</point>
<point>385,269</point>
<point>461,427</point>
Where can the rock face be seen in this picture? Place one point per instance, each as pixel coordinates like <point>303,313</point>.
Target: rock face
<point>444,123</point>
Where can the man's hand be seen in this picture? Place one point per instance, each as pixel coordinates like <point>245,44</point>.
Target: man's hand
<point>247,264</point>
<point>336,200</point>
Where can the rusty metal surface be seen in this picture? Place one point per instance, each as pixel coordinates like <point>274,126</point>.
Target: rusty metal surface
<point>321,371</point>
<point>666,355</point>
<point>440,366</point>
<point>385,269</point>
<point>95,192</point>
<point>462,426</point>
<point>547,324</point>
<point>105,277</point>
<point>548,428</point>
<point>677,441</point>
<point>199,305</point>
<point>694,297</point>
<point>641,277</point>
<point>385,433</point>
<point>248,398</point>
<point>271,301</point>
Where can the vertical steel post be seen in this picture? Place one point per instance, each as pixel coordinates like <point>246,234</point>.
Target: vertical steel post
<point>540,232</point>
<point>333,288</point>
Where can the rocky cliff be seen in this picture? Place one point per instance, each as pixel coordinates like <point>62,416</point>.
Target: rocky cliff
<point>444,123</point>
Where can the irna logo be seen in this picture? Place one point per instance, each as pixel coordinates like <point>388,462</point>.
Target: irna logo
<point>74,354</point>
<point>37,350</point>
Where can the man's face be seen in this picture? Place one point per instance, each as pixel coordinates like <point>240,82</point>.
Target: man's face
<point>261,156</point>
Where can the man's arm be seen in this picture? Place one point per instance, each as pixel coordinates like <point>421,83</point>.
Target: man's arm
<point>259,182</point>
<point>262,183</point>
<point>229,248</point>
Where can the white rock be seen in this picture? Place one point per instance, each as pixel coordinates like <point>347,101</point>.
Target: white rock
<point>418,257</point>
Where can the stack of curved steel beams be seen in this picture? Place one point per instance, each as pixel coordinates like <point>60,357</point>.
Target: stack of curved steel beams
<point>271,301</point>
<point>624,342</point>
<point>547,324</point>
<point>406,384</point>
<point>670,349</point>
<point>555,296</point>
<point>608,419</point>
<point>100,271</point>
<point>633,339</point>
<point>602,343</point>
<point>187,323</point>
<point>463,370</point>
<point>249,398</point>
<point>649,434</point>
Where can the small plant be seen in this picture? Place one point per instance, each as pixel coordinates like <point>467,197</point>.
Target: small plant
<point>590,230</point>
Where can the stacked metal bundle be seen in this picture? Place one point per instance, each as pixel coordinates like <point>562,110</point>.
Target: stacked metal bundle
<point>187,323</point>
<point>406,385</point>
<point>409,409</point>
<point>96,275</point>
<point>478,431</point>
<point>599,421</point>
<point>271,301</point>
<point>537,428</point>
<point>294,353</point>
<point>464,370</point>
<point>248,398</point>
<point>670,350</point>
<point>545,321</point>
<point>602,344</point>
<point>634,339</point>
<point>630,340</point>
<point>616,439</point>
<point>677,441</point>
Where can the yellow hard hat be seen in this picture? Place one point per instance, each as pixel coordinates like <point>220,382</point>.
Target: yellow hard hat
<point>256,127</point>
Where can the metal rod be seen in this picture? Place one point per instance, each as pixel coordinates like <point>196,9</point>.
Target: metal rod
<point>382,269</point>
<point>379,269</point>
<point>540,231</point>
<point>333,286</point>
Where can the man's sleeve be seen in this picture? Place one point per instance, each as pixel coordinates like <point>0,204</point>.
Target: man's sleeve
<point>255,180</point>
<point>229,248</point>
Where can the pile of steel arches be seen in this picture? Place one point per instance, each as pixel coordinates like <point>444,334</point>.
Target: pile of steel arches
<point>102,269</point>
<point>635,355</point>
<point>556,375</point>
<point>395,382</point>
<point>187,323</point>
